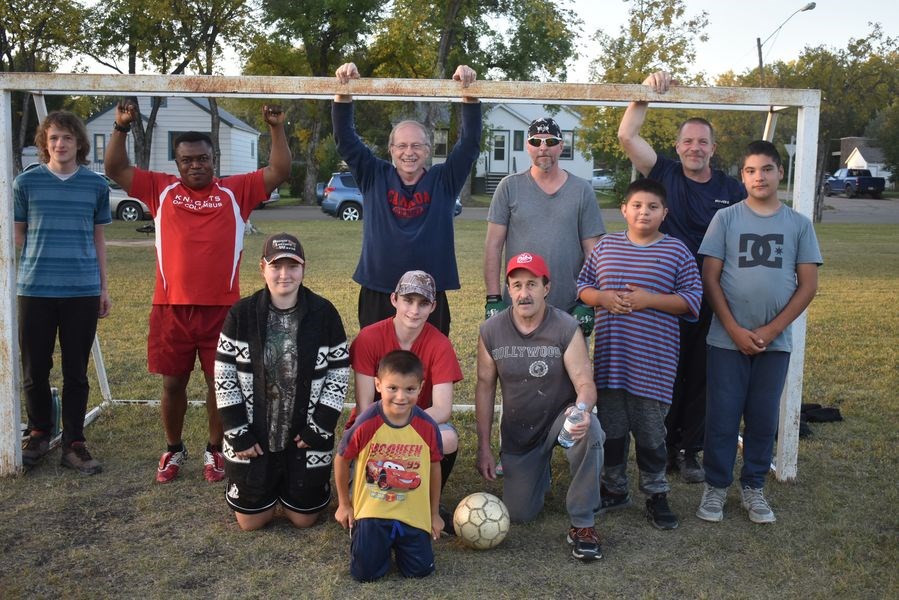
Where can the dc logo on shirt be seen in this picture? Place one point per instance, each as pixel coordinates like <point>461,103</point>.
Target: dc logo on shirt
<point>757,250</point>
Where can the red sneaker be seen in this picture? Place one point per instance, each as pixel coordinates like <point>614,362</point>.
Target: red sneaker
<point>214,466</point>
<point>169,465</point>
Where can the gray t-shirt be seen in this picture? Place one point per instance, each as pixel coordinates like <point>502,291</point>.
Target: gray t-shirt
<point>535,385</point>
<point>760,255</point>
<point>280,361</point>
<point>551,225</point>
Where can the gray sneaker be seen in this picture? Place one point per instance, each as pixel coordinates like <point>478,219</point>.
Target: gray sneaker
<point>77,457</point>
<point>756,505</point>
<point>711,508</point>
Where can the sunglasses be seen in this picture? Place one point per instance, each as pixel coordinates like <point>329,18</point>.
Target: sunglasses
<point>550,141</point>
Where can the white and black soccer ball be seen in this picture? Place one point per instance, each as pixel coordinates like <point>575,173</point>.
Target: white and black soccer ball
<point>481,521</point>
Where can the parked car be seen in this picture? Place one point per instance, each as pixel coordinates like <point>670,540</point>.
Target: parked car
<point>342,199</point>
<point>124,207</point>
<point>853,182</point>
<point>603,179</point>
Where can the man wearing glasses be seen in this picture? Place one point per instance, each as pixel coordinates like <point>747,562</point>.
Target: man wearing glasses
<point>199,240</point>
<point>408,207</point>
<point>547,211</point>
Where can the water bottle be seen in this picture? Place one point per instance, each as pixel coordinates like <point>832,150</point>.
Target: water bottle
<point>55,411</point>
<point>575,417</point>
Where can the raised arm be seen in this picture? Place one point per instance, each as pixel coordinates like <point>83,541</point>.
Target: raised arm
<point>115,160</point>
<point>466,75</point>
<point>344,73</point>
<point>278,169</point>
<point>638,149</point>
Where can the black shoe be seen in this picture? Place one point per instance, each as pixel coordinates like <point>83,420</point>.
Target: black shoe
<point>77,457</point>
<point>585,543</point>
<point>447,517</point>
<point>35,447</point>
<point>690,468</point>
<point>610,501</point>
<point>659,513</point>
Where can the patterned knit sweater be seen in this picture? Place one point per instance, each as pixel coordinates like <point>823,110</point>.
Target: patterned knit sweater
<point>322,375</point>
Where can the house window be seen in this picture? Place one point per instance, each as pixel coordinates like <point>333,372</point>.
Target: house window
<point>99,147</point>
<point>440,142</point>
<point>252,149</point>
<point>567,146</point>
<point>499,147</point>
<point>518,141</point>
<point>172,136</point>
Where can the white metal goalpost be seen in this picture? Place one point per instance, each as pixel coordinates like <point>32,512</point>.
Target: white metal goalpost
<point>772,101</point>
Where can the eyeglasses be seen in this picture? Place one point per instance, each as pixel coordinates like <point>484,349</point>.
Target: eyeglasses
<point>414,147</point>
<point>549,141</point>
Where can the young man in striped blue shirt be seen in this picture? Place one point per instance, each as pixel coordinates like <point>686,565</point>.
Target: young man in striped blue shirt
<point>61,208</point>
<point>641,281</point>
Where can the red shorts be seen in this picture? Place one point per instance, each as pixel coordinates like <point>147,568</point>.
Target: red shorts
<point>178,333</point>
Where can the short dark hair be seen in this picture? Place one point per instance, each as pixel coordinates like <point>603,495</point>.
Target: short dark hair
<point>650,186</point>
<point>64,120</point>
<point>697,121</point>
<point>191,136</point>
<point>761,147</point>
<point>401,362</point>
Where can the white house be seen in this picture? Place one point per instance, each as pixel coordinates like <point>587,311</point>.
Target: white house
<point>871,158</point>
<point>506,127</point>
<point>238,141</point>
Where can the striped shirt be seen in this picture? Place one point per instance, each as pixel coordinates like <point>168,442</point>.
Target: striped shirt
<point>638,351</point>
<point>59,259</point>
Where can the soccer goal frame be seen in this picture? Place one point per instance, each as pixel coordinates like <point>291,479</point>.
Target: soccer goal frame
<point>771,101</point>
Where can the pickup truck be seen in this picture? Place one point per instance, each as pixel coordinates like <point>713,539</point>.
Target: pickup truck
<point>853,182</point>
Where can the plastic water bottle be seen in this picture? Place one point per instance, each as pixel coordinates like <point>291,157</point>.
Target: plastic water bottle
<point>575,417</point>
<point>55,411</point>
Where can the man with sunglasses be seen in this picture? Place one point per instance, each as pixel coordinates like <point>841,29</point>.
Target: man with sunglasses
<point>548,211</point>
<point>408,207</point>
<point>695,193</point>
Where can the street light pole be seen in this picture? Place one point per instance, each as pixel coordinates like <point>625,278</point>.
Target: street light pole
<point>759,43</point>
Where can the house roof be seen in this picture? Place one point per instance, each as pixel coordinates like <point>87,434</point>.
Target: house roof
<point>203,104</point>
<point>516,111</point>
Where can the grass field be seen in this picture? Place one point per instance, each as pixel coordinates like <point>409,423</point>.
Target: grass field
<point>119,534</point>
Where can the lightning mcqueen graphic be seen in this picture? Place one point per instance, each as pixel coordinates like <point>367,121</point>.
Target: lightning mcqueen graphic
<point>389,474</point>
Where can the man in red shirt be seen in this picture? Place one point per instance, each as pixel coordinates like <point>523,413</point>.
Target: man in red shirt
<point>199,222</point>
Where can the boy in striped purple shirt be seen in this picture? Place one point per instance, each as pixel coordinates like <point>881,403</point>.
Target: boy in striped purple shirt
<point>640,282</point>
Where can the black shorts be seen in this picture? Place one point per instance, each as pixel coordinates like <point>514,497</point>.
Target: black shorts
<point>255,486</point>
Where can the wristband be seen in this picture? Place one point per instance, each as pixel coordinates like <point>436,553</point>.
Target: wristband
<point>122,128</point>
<point>494,298</point>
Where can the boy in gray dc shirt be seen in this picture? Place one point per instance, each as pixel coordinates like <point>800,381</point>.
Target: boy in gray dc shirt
<point>760,272</point>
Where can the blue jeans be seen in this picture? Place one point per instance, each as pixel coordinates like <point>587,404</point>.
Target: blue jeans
<point>747,387</point>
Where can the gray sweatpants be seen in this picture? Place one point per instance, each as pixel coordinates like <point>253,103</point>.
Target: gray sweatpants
<point>620,414</point>
<point>526,476</point>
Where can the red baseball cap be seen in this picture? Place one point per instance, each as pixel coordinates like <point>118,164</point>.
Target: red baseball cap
<point>533,263</point>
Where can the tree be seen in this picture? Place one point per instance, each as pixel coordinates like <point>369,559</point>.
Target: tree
<point>32,39</point>
<point>327,31</point>
<point>886,132</point>
<point>659,35</point>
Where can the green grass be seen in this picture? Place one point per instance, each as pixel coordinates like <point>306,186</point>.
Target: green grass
<point>119,534</point>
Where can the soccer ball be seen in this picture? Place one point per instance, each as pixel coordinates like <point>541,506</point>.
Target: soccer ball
<point>481,521</point>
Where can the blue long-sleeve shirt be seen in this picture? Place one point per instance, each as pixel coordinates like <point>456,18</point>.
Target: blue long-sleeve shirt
<point>407,227</point>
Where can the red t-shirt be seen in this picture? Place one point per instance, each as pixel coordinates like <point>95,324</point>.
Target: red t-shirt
<point>432,348</point>
<point>199,235</point>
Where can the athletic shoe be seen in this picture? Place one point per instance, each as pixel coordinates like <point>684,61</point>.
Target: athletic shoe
<point>77,457</point>
<point>213,466</point>
<point>169,465</point>
<point>35,447</point>
<point>659,513</point>
<point>585,543</point>
<point>711,508</point>
<point>755,503</point>
<point>611,501</point>
<point>447,517</point>
<point>690,468</point>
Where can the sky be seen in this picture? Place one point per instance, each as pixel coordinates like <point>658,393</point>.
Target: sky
<point>734,26</point>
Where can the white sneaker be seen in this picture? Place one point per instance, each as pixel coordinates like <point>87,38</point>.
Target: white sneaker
<point>711,508</point>
<point>755,503</point>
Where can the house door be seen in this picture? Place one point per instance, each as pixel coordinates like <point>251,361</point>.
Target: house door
<point>499,162</point>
